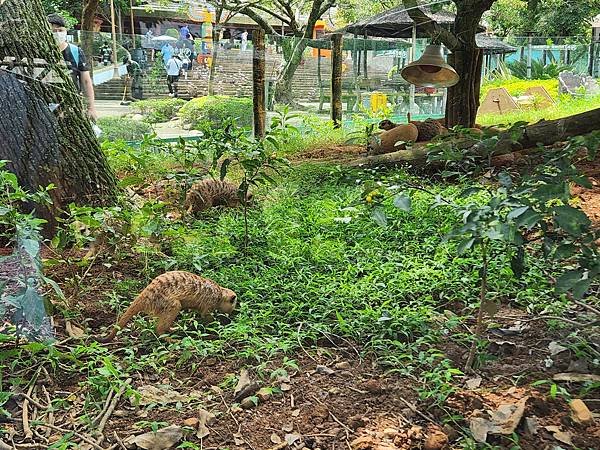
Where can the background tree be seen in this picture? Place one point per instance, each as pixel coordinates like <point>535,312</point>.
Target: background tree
<point>45,133</point>
<point>288,13</point>
<point>544,17</point>
<point>466,58</point>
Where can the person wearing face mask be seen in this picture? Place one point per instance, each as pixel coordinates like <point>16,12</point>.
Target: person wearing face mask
<point>76,62</point>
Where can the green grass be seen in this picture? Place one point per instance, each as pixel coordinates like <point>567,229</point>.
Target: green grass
<point>517,87</point>
<point>565,106</point>
<point>306,269</point>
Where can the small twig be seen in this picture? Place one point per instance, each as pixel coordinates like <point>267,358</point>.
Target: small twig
<point>300,343</point>
<point>25,411</point>
<point>588,307</point>
<point>75,433</point>
<point>359,391</point>
<point>119,441</point>
<point>27,397</point>
<point>563,319</point>
<point>97,419</point>
<point>347,429</point>
<point>292,402</point>
<point>50,412</point>
<point>111,408</point>
<point>414,409</point>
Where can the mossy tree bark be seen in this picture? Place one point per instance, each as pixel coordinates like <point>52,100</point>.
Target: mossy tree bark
<point>87,27</point>
<point>258,83</point>
<point>44,132</point>
<point>336,80</point>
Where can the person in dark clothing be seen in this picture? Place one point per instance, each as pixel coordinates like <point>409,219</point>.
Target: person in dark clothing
<point>76,62</point>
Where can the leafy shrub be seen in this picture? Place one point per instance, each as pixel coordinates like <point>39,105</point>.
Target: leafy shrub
<point>114,128</point>
<point>539,71</point>
<point>215,110</point>
<point>158,110</point>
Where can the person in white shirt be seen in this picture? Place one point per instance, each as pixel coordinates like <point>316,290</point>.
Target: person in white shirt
<point>174,65</point>
<point>244,37</point>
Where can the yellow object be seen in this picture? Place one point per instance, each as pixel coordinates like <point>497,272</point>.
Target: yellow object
<point>209,61</point>
<point>378,101</point>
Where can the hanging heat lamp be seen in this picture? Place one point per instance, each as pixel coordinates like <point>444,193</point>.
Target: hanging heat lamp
<point>430,70</point>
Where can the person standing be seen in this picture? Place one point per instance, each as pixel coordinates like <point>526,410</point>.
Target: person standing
<point>244,37</point>
<point>76,62</point>
<point>167,51</point>
<point>174,66</point>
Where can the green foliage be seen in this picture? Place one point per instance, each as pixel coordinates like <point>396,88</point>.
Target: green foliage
<point>544,17</point>
<point>14,222</point>
<point>215,110</point>
<point>158,110</point>
<point>115,128</point>
<point>539,70</point>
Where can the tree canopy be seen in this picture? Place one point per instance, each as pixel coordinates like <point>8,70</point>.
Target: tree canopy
<point>543,17</point>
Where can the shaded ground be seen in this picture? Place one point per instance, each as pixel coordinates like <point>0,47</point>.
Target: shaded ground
<point>333,396</point>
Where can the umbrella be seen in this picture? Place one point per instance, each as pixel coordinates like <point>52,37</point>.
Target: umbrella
<point>164,38</point>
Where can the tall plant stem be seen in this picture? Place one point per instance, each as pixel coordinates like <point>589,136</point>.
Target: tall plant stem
<point>482,295</point>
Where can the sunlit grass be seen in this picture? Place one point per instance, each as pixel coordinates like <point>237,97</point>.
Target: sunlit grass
<point>565,106</point>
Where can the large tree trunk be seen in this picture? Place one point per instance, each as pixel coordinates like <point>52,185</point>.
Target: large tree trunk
<point>43,129</point>
<point>87,27</point>
<point>216,33</point>
<point>467,60</point>
<point>292,56</point>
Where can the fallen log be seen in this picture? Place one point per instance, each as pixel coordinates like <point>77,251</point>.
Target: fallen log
<point>544,132</point>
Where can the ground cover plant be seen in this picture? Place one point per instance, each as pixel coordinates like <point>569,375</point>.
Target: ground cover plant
<point>352,303</point>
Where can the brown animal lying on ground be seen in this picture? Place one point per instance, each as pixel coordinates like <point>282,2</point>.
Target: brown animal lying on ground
<point>386,141</point>
<point>427,129</point>
<point>171,292</point>
<point>208,193</point>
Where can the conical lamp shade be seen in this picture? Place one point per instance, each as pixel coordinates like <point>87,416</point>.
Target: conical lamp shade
<point>430,70</point>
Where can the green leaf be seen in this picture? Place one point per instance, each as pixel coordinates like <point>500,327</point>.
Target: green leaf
<point>580,288</point>
<point>528,219</point>
<point>402,201</point>
<point>517,262</point>
<point>583,181</point>
<point>31,246</point>
<point>565,251</point>
<point>464,245</point>
<point>517,212</point>
<point>469,191</point>
<point>571,220</point>
<point>568,279</point>
<point>224,167</point>
<point>505,179</point>
<point>130,181</point>
<point>378,215</point>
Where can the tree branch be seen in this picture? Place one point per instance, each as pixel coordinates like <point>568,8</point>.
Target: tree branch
<point>272,13</point>
<point>434,29</point>
<point>259,20</point>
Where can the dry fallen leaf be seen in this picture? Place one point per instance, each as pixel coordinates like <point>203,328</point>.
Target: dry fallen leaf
<point>295,413</point>
<point>160,440</point>
<point>473,383</point>
<point>73,331</point>
<point>205,419</point>
<point>288,427</point>
<point>576,377</point>
<point>150,394</point>
<point>275,439</point>
<point>243,382</point>
<point>555,348</point>
<point>291,438</point>
<point>502,421</point>
<point>238,439</point>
